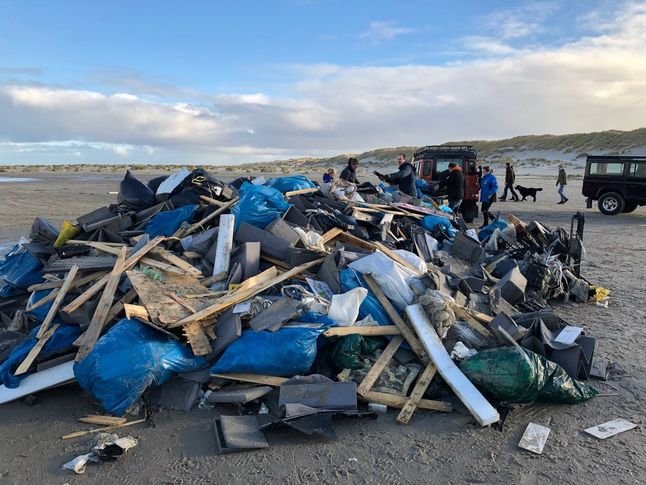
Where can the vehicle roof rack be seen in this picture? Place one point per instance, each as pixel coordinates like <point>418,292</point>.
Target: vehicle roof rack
<point>445,148</point>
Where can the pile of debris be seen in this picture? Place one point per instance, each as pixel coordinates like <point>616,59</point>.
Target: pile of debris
<point>294,302</point>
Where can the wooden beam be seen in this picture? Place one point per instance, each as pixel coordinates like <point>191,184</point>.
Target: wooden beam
<point>331,234</point>
<point>475,402</point>
<point>57,302</point>
<point>260,278</point>
<point>408,334</point>
<point>241,295</point>
<point>301,192</point>
<point>379,366</point>
<point>136,311</point>
<point>408,409</point>
<point>76,284</point>
<point>372,330</point>
<point>253,378</point>
<point>79,434</point>
<point>177,261</point>
<point>102,420</point>
<point>35,350</point>
<point>93,331</point>
<point>98,286</point>
<point>395,401</point>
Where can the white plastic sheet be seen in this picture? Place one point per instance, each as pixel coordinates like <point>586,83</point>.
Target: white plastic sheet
<point>344,308</point>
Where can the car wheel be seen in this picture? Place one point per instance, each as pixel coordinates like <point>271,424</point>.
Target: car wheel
<point>611,204</point>
<point>630,206</point>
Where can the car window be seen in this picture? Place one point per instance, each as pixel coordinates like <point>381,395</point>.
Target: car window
<point>637,170</point>
<point>427,168</point>
<point>442,164</point>
<point>606,168</point>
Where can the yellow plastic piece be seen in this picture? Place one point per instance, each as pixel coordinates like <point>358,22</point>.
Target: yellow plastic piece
<point>67,232</point>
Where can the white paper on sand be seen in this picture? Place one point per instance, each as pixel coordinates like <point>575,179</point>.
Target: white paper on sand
<point>611,428</point>
<point>534,438</point>
<point>568,335</point>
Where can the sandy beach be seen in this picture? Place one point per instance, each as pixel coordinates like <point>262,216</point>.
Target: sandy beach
<point>434,448</point>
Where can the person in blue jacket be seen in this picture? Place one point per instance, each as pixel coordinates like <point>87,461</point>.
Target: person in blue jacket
<point>488,191</point>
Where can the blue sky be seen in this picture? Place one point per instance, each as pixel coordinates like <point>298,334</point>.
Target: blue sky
<point>234,81</point>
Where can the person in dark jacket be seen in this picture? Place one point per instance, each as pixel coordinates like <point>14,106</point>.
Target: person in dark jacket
<point>454,182</point>
<point>404,178</point>
<point>561,181</point>
<point>349,173</point>
<point>488,191</point>
<point>510,178</point>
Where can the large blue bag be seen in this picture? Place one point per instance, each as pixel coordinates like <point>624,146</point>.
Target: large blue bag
<point>351,279</point>
<point>19,270</point>
<point>287,184</point>
<point>167,222</point>
<point>287,352</point>
<point>430,222</point>
<point>60,341</point>
<point>128,359</point>
<point>259,205</point>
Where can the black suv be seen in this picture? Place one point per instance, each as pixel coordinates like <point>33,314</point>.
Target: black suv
<point>617,183</point>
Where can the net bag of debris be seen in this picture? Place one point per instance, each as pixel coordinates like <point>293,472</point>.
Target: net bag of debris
<point>286,353</point>
<point>515,375</point>
<point>128,359</point>
<point>288,184</point>
<point>259,205</point>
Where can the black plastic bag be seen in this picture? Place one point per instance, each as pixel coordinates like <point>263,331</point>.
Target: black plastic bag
<point>135,195</point>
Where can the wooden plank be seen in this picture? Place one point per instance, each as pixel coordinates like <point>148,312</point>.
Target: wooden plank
<point>408,334</point>
<point>479,407</point>
<point>197,339</point>
<point>241,295</point>
<point>260,278</point>
<point>136,311</point>
<point>93,331</point>
<point>463,314</point>
<point>398,259</point>
<point>301,192</point>
<point>79,434</point>
<point>416,396</point>
<point>177,261</point>
<point>395,401</point>
<point>102,420</point>
<point>253,378</point>
<point>76,284</point>
<point>57,302</point>
<point>355,241</point>
<point>35,350</point>
<point>153,263</point>
<point>379,366</point>
<point>372,330</point>
<point>98,286</point>
<point>331,234</point>
<point>201,224</point>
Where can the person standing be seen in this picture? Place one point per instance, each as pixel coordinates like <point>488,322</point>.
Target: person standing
<point>404,177</point>
<point>349,173</point>
<point>488,191</point>
<point>510,179</point>
<point>561,181</point>
<point>454,182</point>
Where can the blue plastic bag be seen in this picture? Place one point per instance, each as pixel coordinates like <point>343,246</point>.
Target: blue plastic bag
<point>430,222</point>
<point>287,184</point>
<point>60,341</point>
<point>167,222</point>
<point>19,270</point>
<point>350,279</point>
<point>128,359</point>
<point>41,312</point>
<point>489,230</point>
<point>259,205</point>
<point>288,352</point>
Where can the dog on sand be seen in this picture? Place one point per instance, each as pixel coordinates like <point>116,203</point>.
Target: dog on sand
<point>527,192</point>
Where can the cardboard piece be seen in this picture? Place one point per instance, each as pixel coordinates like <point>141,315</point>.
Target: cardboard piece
<point>534,438</point>
<point>610,428</point>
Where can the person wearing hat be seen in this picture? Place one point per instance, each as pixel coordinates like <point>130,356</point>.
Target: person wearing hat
<point>561,181</point>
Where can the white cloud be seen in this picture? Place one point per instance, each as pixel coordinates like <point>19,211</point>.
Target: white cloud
<point>379,31</point>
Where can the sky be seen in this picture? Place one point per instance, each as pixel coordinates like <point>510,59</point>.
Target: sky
<point>226,82</point>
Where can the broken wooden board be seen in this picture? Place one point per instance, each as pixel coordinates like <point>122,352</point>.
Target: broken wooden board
<point>67,284</point>
<point>534,438</point>
<point>396,401</point>
<point>378,367</point>
<point>102,420</point>
<point>75,284</point>
<point>154,296</point>
<point>475,402</point>
<point>95,328</point>
<point>197,339</point>
<point>241,295</point>
<point>416,396</point>
<point>135,311</point>
<point>610,428</point>
<point>260,278</point>
<point>366,330</point>
<point>179,262</point>
<point>35,350</point>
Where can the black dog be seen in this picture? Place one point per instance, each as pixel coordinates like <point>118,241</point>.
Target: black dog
<point>527,192</point>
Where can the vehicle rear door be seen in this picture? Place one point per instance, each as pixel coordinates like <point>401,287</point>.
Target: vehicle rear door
<point>636,181</point>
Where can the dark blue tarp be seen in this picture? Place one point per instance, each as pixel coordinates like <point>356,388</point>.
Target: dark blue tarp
<point>259,205</point>
<point>167,222</point>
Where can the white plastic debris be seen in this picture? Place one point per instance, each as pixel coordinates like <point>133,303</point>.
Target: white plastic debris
<point>106,448</point>
<point>344,308</point>
<point>461,351</point>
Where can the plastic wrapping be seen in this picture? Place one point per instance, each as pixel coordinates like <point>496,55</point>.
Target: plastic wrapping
<point>166,223</point>
<point>510,374</point>
<point>431,222</point>
<point>134,194</point>
<point>288,352</point>
<point>18,271</point>
<point>287,184</point>
<point>259,205</point>
<point>344,308</point>
<point>117,374</point>
<point>370,306</point>
<point>60,341</point>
